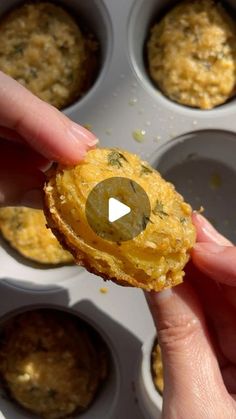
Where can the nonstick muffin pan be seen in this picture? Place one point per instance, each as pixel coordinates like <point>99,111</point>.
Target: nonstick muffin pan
<point>194,148</point>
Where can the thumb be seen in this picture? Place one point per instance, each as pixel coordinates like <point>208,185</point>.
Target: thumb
<point>190,365</point>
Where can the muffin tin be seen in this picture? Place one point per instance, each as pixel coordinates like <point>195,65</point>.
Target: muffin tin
<point>121,108</point>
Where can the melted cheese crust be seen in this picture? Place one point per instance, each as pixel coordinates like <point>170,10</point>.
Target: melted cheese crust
<point>192,54</point>
<point>153,260</point>
<point>43,48</point>
<point>25,230</point>
<point>50,364</point>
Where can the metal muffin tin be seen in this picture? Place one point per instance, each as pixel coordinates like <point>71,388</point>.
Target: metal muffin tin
<point>121,103</point>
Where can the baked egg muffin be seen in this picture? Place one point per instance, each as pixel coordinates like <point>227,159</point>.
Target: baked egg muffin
<point>152,260</point>
<point>43,48</point>
<point>51,363</point>
<point>157,368</point>
<point>191,54</point>
<point>25,230</point>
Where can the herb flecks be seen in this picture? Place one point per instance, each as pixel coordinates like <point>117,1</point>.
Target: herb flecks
<point>19,48</point>
<point>145,170</point>
<point>52,393</point>
<point>159,210</point>
<point>115,158</point>
<point>145,221</point>
<point>183,220</point>
<point>132,184</point>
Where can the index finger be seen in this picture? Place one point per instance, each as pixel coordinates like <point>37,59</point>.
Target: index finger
<point>42,126</point>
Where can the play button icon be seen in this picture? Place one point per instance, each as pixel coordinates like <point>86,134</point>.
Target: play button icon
<point>118,209</point>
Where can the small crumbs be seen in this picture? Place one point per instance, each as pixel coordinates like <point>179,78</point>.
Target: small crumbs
<point>150,245</point>
<point>133,101</point>
<point>186,208</point>
<point>103,290</point>
<point>195,122</point>
<point>49,188</point>
<point>89,127</point>
<point>139,135</point>
<point>157,139</point>
<point>215,181</point>
<point>52,211</point>
<point>201,210</point>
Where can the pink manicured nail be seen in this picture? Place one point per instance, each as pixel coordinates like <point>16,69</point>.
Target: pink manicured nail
<point>163,295</point>
<point>209,248</point>
<point>154,297</point>
<point>81,134</point>
<point>207,232</point>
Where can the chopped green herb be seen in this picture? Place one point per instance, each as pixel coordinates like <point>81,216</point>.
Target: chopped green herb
<point>159,210</point>
<point>183,220</point>
<point>33,72</point>
<point>215,181</point>
<point>70,77</point>
<point>52,393</point>
<point>33,389</point>
<point>115,158</point>
<point>133,186</point>
<point>19,48</point>
<point>145,170</point>
<point>145,221</point>
<point>64,48</point>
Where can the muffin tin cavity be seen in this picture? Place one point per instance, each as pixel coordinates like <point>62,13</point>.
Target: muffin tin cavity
<point>59,62</point>
<point>202,167</point>
<point>106,393</point>
<point>142,19</point>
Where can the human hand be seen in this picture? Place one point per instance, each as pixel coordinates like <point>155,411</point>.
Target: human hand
<point>196,324</point>
<point>32,134</point>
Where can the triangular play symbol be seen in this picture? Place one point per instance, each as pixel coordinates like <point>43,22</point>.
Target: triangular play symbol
<point>117,210</point>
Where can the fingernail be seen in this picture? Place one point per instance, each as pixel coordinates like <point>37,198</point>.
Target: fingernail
<point>210,232</point>
<point>154,297</point>
<point>209,248</point>
<point>32,199</point>
<point>81,134</point>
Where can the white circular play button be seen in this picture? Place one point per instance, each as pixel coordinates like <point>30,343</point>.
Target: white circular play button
<point>118,209</point>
